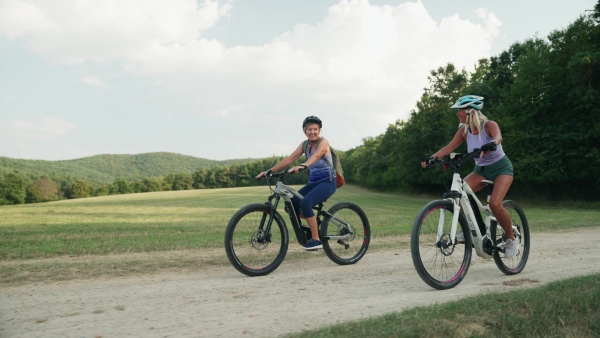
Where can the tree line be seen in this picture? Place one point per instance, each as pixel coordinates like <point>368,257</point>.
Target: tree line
<point>545,95</point>
<point>17,189</point>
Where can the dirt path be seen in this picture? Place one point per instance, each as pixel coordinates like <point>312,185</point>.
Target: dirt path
<point>220,302</point>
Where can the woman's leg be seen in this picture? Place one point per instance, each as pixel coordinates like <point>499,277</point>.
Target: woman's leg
<point>474,180</point>
<point>318,194</point>
<point>501,186</point>
<point>296,201</point>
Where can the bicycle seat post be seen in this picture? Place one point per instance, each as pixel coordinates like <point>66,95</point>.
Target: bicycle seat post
<point>490,185</point>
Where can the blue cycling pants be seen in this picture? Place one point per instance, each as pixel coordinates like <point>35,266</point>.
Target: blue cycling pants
<point>314,193</point>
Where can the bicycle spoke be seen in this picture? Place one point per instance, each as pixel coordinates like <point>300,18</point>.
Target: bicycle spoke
<point>249,249</point>
<point>352,224</point>
<point>516,264</point>
<point>439,262</point>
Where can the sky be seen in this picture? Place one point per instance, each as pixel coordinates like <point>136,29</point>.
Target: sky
<point>233,79</point>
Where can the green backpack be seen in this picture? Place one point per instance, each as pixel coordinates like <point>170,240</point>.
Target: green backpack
<point>337,164</point>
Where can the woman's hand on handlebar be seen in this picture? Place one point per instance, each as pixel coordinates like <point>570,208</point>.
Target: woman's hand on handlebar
<point>487,148</point>
<point>264,174</point>
<point>296,169</point>
<point>425,161</point>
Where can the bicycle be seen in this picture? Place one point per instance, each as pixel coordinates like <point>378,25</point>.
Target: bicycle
<point>256,238</point>
<point>440,260</point>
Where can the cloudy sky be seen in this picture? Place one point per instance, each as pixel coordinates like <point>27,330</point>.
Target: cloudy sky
<point>226,79</point>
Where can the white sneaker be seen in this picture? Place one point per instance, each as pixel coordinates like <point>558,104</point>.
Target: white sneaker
<point>511,248</point>
<point>460,237</point>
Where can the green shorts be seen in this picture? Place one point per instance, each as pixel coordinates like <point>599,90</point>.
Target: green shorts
<point>492,171</point>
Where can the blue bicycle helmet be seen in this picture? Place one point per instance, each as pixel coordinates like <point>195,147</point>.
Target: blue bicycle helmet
<point>472,101</point>
<point>312,119</point>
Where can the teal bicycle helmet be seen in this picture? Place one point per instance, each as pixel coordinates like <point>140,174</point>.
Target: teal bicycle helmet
<point>472,101</point>
<point>312,119</point>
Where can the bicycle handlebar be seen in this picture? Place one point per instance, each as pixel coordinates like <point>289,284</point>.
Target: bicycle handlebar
<point>455,160</point>
<point>281,174</point>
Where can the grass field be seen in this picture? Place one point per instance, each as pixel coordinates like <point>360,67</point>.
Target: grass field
<point>144,233</point>
<point>116,234</point>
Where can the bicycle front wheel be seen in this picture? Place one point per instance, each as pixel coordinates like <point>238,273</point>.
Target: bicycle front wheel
<point>440,261</point>
<point>250,249</point>
<point>516,264</point>
<point>350,221</point>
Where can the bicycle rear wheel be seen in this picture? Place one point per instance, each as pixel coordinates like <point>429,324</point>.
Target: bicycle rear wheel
<point>348,219</point>
<point>249,249</point>
<point>516,264</point>
<point>440,263</point>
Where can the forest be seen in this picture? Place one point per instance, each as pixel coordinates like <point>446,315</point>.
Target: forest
<point>544,94</point>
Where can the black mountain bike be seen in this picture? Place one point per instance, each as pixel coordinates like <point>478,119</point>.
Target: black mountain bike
<point>256,239</point>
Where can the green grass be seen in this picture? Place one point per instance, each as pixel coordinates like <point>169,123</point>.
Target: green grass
<point>568,308</point>
<point>163,221</point>
<point>196,219</point>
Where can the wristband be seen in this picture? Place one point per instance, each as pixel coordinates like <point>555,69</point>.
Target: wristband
<point>304,165</point>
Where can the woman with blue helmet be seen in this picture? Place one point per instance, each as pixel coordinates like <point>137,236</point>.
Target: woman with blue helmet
<point>477,130</point>
<point>321,181</point>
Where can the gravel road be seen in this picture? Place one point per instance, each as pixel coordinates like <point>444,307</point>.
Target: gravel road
<point>220,302</point>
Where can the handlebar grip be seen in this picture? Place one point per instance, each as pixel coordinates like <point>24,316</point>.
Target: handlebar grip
<point>430,162</point>
<point>489,147</point>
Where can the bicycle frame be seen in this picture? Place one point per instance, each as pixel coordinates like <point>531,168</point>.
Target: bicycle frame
<point>287,193</point>
<point>459,195</point>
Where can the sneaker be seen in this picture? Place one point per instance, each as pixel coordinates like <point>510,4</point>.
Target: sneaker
<point>460,237</point>
<point>313,244</point>
<point>511,248</point>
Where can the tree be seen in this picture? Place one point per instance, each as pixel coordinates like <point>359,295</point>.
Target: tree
<point>120,186</point>
<point>12,189</point>
<point>183,181</point>
<point>42,190</point>
<point>151,184</point>
<point>32,194</point>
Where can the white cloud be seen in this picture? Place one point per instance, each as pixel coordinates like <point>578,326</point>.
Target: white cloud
<point>49,128</point>
<point>93,81</point>
<point>363,65</point>
<point>72,31</point>
<point>19,18</point>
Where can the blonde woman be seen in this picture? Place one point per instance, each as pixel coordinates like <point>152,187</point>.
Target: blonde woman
<point>477,130</point>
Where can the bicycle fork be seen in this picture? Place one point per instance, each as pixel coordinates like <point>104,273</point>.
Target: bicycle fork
<point>442,221</point>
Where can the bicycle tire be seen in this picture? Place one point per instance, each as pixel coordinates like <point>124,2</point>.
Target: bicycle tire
<point>245,249</point>
<point>516,264</point>
<point>345,252</point>
<point>439,263</point>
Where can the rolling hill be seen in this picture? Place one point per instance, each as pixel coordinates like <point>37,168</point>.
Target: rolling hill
<point>103,169</point>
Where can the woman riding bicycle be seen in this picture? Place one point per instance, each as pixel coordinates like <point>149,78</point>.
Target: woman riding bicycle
<point>321,181</point>
<point>495,166</point>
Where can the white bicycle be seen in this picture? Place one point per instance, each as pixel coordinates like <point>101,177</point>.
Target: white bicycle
<point>441,260</point>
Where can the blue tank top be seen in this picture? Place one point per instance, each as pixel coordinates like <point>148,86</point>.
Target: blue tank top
<point>473,142</point>
<point>320,170</point>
